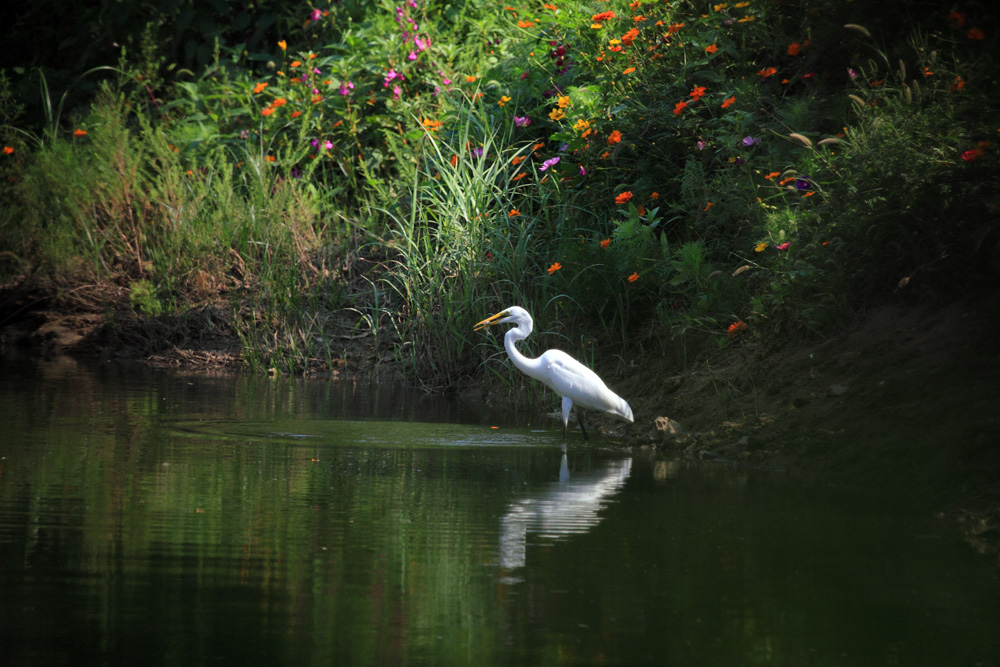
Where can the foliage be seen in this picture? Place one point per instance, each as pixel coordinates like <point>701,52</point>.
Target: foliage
<point>629,169</point>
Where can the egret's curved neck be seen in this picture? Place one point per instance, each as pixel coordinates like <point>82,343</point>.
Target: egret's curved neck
<point>532,367</point>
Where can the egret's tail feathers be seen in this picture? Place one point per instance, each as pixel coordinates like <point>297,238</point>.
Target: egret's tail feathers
<point>624,411</point>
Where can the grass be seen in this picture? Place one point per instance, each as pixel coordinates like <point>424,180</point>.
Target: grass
<point>371,189</point>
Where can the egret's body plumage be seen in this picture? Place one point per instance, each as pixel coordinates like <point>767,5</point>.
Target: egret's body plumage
<point>554,368</point>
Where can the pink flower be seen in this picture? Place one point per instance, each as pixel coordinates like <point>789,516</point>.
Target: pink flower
<point>315,15</point>
<point>783,246</point>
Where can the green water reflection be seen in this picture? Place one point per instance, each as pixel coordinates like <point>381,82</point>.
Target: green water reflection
<point>156,519</point>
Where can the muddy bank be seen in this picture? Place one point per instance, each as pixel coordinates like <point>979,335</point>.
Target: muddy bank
<point>906,400</point>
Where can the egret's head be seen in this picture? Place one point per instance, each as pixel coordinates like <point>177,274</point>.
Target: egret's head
<point>515,314</point>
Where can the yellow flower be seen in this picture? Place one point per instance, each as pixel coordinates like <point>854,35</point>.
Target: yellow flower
<point>283,44</point>
<point>503,100</point>
<point>557,114</point>
<point>563,101</point>
<point>760,247</point>
<point>581,125</point>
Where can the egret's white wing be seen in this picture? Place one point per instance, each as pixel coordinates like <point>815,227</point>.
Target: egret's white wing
<point>569,378</point>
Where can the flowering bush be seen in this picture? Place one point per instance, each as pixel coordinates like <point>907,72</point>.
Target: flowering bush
<point>744,163</point>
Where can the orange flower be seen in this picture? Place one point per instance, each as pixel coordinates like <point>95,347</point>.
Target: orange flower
<point>280,101</point>
<point>283,44</point>
<point>79,133</point>
<point>614,137</point>
<point>698,93</point>
<point>7,150</point>
<point>728,101</point>
<point>470,79</point>
<point>295,63</point>
<point>454,160</point>
<point>674,29</point>
<point>525,24</point>
<point>623,197</point>
<point>431,125</point>
<point>655,195</point>
<point>555,267</point>
<point>630,36</point>
<point>679,107</point>
<point>519,176</point>
<point>634,277</point>
<point>708,206</point>
<point>517,159</point>
<point>296,114</point>
<point>267,112</point>
<point>539,146</point>
<point>767,71</point>
<point>606,243</point>
<point>603,16</point>
<point>737,327</point>
<point>794,48</point>
<point>711,48</point>
<point>772,175</point>
<point>259,87</point>
<point>513,213</point>
<point>629,70</point>
<point>269,158</point>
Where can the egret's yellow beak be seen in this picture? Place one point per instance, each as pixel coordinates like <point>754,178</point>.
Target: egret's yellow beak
<point>490,321</point>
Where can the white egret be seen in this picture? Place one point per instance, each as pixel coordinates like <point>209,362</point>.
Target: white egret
<point>565,375</point>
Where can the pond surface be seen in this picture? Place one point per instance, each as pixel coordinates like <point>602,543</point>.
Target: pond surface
<point>157,519</point>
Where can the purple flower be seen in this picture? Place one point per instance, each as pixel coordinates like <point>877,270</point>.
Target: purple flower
<point>345,89</point>
<point>551,162</point>
<point>802,184</point>
<point>750,141</point>
<point>583,172</point>
<point>522,121</point>
<point>314,143</point>
<point>477,152</point>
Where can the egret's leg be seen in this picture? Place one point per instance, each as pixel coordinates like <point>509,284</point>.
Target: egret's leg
<point>583,429</point>
<point>567,405</point>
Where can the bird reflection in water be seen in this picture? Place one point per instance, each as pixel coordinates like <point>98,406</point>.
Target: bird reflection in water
<point>569,506</point>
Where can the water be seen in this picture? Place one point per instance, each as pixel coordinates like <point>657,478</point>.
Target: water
<point>157,519</point>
